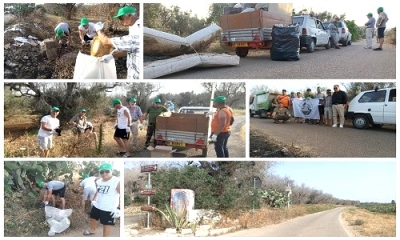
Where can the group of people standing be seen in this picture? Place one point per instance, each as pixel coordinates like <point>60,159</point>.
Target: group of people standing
<point>380,25</point>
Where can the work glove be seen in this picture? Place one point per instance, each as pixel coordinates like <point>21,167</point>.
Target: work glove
<point>106,58</point>
<point>57,131</point>
<point>140,126</point>
<point>83,42</point>
<point>98,26</point>
<point>115,213</point>
<point>128,129</point>
<point>214,138</point>
<point>145,123</point>
<point>46,203</point>
<point>59,42</point>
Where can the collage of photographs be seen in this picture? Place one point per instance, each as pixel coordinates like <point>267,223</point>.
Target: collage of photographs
<point>294,105</point>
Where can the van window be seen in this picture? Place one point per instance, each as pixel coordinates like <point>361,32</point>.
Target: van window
<point>312,23</point>
<point>377,96</point>
<point>392,95</point>
<point>298,20</point>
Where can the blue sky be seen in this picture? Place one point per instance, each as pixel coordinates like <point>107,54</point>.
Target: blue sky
<point>367,181</point>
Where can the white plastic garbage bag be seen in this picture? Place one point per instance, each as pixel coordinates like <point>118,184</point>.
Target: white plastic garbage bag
<point>89,67</point>
<point>57,219</point>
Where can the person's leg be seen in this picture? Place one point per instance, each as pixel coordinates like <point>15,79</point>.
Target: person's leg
<point>335,115</point>
<point>226,136</point>
<point>62,202</point>
<point>149,133</point>
<point>219,145</point>
<point>106,230</point>
<point>369,37</point>
<point>126,147</point>
<point>135,133</point>
<point>53,200</point>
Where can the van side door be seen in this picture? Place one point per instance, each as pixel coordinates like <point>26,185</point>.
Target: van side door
<point>389,108</point>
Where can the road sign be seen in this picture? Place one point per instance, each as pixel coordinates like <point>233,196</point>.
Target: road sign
<point>148,192</point>
<point>148,208</point>
<point>148,168</point>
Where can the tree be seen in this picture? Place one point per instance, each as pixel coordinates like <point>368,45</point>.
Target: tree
<point>353,88</point>
<point>142,92</point>
<point>235,92</point>
<point>258,88</point>
<point>215,11</point>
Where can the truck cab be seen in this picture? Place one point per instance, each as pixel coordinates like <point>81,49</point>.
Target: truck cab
<point>261,104</point>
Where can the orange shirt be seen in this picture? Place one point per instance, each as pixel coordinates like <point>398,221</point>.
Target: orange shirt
<point>284,100</point>
<point>215,121</point>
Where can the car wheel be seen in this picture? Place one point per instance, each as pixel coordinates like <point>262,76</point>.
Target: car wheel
<point>360,122</point>
<point>328,45</point>
<point>242,52</point>
<point>349,42</point>
<point>311,46</point>
<point>204,152</point>
<point>345,42</point>
<point>251,114</point>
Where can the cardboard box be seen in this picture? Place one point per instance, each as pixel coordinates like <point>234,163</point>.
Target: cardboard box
<point>161,151</point>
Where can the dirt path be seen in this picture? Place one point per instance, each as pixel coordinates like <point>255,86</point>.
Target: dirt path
<point>85,225</point>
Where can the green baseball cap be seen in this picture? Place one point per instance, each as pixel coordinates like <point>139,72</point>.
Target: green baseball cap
<point>219,99</point>
<point>83,110</point>
<point>124,11</point>
<point>116,101</point>
<point>85,175</point>
<point>380,9</point>
<point>157,100</point>
<point>132,99</point>
<point>59,32</point>
<point>328,90</point>
<point>55,109</point>
<point>105,166</point>
<point>40,184</point>
<point>291,92</point>
<point>84,21</point>
<point>369,14</point>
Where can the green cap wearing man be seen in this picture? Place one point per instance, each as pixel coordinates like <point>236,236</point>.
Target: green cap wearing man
<point>151,114</point>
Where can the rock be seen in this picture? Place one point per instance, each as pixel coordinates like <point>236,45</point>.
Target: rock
<point>26,57</point>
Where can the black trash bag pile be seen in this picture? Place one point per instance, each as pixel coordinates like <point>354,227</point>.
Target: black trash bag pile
<point>285,43</point>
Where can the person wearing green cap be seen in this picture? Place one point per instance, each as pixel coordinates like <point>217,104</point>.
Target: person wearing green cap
<point>82,125</point>
<point>87,31</point>
<point>369,30</point>
<point>137,120</point>
<point>127,45</point>
<point>221,126</point>
<point>52,189</point>
<point>381,26</point>
<point>49,125</point>
<point>88,185</point>
<point>151,114</point>
<point>61,31</point>
<point>106,201</point>
<point>122,128</point>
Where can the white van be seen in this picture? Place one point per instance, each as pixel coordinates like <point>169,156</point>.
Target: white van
<point>375,107</point>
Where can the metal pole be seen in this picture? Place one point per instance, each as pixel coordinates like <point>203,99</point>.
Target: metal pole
<point>148,202</point>
<point>254,192</point>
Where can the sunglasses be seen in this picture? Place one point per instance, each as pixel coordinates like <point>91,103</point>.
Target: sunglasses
<point>105,171</point>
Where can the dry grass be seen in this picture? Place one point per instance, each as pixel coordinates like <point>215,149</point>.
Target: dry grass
<point>267,216</point>
<point>368,224</point>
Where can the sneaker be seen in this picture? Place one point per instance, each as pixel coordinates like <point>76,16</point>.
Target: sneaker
<point>341,126</point>
<point>378,49</point>
<point>368,47</point>
<point>334,125</point>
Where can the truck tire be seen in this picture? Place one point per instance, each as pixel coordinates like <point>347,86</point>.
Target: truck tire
<point>311,46</point>
<point>242,52</point>
<point>260,115</point>
<point>204,152</point>
<point>328,45</point>
<point>251,114</point>
<point>345,42</point>
<point>360,121</point>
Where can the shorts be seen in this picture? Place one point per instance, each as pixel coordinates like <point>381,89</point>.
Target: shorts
<point>381,32</point>
<point>88,193</point>
<point>105,217</point>
<point>59,192</point>
<point>45,143</point>
<point>121,133</point>
<point>328,112</point>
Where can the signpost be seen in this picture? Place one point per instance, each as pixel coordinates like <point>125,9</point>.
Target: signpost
<point>288,190</point>
<point>148,191</point>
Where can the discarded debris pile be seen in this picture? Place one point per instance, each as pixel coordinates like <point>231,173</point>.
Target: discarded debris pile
<point>24,56</point>
<point>178,53</point>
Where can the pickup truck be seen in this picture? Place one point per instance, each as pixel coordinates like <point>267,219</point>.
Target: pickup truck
<point>252,29</point>
<point>184,130</point>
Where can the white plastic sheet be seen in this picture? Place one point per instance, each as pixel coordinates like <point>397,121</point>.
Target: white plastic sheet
<point>57,219</point>
<point>89,67</point>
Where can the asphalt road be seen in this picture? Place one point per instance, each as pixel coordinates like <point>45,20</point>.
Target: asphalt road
<point>351,62</point>
<point>332,142</point>
<point>322,224</point>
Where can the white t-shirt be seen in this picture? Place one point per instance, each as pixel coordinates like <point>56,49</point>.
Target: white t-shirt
<point>64,27</point>
<point>122,120</point>
<point>107,195</point>
<point>90,31</point>
<point>51,123</point>
<point>89,182</point>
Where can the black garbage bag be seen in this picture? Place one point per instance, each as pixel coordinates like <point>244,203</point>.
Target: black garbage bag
<point>285,43</point>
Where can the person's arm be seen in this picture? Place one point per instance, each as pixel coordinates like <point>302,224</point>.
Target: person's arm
<point>81,35</point>
<point>72,121</point>
<point>45,127</point>
<point>119,199</point>
<point>70,38</point>
<point>222,121</point>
